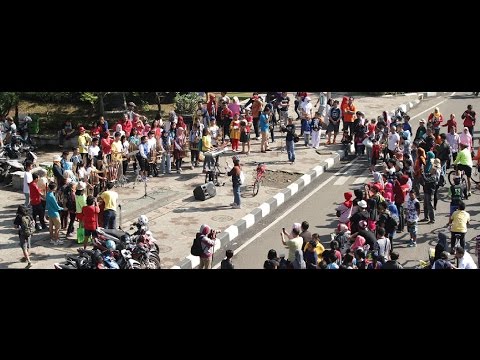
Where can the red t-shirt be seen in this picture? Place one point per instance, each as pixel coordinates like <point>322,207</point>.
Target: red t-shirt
<point>106,145</point>
<point>35,198</point>
<point>371,129</point>
<point>89,217</point>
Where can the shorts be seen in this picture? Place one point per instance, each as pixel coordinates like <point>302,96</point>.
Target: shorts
<point>55,222</point>
<point>89,233</point>
<point>25,242</point>
<point>334,128</point>
<point>412,228</point>
<point>453,208</point>
<point>467,169</point>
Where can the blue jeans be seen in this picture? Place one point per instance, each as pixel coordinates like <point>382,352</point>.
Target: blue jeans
<point>27,199</point>
<point>291,150</point>
<point>236,194</point>
<point>109,219</point>
<point>166,159</point>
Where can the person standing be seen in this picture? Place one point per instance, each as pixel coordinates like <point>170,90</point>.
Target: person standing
<point>84,141</point>
<point>235,174</point>
<point>53,210</point>
<point>290,129</point>
<point>348,111</point>
<point>36,202</point>
<point>208,238</point>
<point>22,222</point>
<point>264,127</point>
<point>293,244</point>
<point>110,198</point>
<point>27,179</point>
<point>412,214</point>
<point>469,117</point>
<point>89,216</point>
<point>334,117</point>
<point>227,262</point>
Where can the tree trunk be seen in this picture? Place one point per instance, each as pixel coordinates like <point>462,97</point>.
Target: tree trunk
<point>124,101</point>
<point>16,111</point>
<point>101,105</point>
<point>158,102</point>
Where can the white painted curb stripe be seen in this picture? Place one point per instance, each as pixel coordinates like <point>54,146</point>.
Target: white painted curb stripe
<point>232,230</point>
<point>280,197</point>
<point>249,220</point>
<point>306,179</point>
<point>318,170</point>
<point>265,210</point>
<point>293,188</point>
<point>330,162</point>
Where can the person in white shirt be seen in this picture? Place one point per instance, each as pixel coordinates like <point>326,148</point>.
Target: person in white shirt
<point>384,244</point>
<point>27,179</point>
<point>465,260</point>
<point>93,150</point>
<point>453,139</point>
<point>393,141</point>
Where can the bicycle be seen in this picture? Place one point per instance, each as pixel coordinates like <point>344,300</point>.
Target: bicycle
<point>259,177</point>
<point>475,176</point>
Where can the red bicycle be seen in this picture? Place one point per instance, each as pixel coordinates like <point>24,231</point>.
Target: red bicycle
<point>259,176</point>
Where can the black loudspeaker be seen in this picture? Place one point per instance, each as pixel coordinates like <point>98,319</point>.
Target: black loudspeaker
<point>205,191</point>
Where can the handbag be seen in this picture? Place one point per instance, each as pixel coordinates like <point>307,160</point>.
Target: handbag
<point>367,142</point>
<point>80,235</point>
<point>296,138</point>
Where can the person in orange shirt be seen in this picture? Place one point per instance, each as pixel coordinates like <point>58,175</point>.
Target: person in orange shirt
<point>348,111</point>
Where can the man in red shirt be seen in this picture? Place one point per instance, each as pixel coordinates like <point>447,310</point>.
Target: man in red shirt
<point>36,202</point>
<point>451,123</point>
<point>89,216</point>
<point>469,117</point>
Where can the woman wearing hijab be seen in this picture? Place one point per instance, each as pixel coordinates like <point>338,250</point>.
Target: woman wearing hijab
<point>299,263</point>
<point>429,162</point>
<point>178,150</point>
<point>420,163</point>
<point>344,210</point>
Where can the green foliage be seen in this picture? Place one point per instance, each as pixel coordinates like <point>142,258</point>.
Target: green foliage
<point>89,97</point>
<point>8,101</point>
<point>186,103</point>
<point>51,97</point>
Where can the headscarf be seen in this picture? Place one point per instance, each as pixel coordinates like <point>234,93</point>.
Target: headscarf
<point>297,226</point>
<point>299,263</point>
<point>430,157</point>
<point>348,199</point>
<point>378,178</point>
<point>359,242</point>
<point>204,229</point>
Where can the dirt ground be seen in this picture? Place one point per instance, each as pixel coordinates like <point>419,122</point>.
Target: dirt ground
<point>279,179</point>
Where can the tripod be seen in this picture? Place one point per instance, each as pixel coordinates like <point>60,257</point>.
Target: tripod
<point>145,195</point>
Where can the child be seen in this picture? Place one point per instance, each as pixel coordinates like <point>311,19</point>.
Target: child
<point>316,127</point>
<point>245,135</point>
<point>23,221</point>
<point>235,132</point>
<point>347,142</point>
<point>360,136</point>
<point>375,154</point>
<point>227,263</point>
<point>371,127</point>
<point>89,216</point>
<point>75,159</point>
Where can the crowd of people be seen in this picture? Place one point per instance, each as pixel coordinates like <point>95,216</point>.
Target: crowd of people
<point>407,168</point>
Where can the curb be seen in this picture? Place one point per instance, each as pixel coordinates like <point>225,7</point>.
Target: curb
<point>260,212</point>
<point>238,228</point>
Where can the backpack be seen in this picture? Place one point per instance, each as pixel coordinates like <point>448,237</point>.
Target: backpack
<point>196,249</point>
<point>392,222</point>
<point>27,227</point>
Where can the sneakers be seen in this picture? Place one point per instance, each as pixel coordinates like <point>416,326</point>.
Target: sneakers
<point>235,206</point>
<point>232,204</point>
<point>424,220</point>
<point>412,244</point>
<point>29,265</point>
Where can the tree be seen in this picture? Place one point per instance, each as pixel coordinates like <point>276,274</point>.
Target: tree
<point>8,100</point>
<point>90,98</point>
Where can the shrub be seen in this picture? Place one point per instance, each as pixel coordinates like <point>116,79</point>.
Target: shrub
<point>186,103</point>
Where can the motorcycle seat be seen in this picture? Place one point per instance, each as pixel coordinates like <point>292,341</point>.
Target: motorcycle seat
<point>114,232</point>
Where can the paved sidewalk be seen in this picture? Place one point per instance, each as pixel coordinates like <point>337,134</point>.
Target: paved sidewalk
<point>175,215</point>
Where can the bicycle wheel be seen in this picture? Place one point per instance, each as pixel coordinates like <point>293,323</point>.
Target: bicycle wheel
<point>475,175</point>
<point>451,176</point>
<point>256,187</point>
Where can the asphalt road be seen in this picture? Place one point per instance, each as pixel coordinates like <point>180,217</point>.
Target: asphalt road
<point>318,202</point>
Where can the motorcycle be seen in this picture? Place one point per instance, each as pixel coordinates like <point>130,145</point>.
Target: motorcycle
<point>7,168</point>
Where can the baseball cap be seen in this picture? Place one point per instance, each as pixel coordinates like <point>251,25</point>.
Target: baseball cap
<point>57,158</point>
<point>307,98</point>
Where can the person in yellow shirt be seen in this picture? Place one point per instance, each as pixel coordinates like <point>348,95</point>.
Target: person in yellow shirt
<point>110,198</point>
<point>459,221</point>
<point>235,132</point>
<point>84,141</point>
